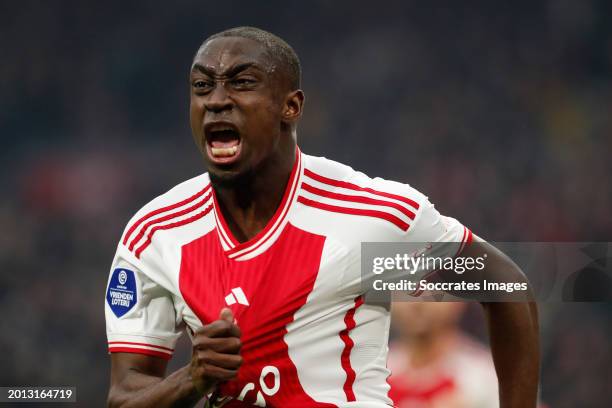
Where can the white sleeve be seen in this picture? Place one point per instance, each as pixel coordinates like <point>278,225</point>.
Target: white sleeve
<point>140,314</point>
<point>440,236</point>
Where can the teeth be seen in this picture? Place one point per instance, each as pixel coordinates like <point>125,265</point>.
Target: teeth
<point>224,151</point>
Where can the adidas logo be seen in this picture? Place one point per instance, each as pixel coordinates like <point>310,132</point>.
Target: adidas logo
<point>236,295</point>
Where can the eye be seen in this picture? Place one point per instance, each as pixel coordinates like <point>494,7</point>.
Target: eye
<point>201,85</point>
<point>243,82</point>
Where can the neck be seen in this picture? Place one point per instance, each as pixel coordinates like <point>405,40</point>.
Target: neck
<point>250,203</point>
<point>427,349</point>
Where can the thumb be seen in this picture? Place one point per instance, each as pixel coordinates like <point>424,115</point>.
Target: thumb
<point>227,315</point>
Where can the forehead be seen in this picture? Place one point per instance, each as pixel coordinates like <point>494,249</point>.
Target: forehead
<point>224,52</point>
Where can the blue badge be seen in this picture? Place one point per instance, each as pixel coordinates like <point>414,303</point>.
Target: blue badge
<point>121,294</point>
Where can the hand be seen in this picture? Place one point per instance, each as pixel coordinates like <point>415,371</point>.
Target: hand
<point>216,353</point>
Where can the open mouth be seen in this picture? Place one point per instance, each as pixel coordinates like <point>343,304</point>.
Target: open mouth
<point>223,142</point>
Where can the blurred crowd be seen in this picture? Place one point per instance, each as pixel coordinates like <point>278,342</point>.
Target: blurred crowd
<point>499,112</point>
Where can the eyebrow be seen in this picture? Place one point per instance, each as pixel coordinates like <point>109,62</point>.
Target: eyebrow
<point>231,71</point>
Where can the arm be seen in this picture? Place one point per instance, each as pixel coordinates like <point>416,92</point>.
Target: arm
<point>138,380</point>
<point>513,332</point>
<point>513,327</point>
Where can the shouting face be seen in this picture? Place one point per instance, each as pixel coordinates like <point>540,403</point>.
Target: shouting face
<point>241,106</point>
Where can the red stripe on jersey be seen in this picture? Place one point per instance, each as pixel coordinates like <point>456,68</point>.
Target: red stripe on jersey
<point>466,239</point>
<point>351,186</point>
<point>358,199</point>
<point>349,321</point>
<point>140,344</point>
<point>355,211</point>
<point>164,209</point>
<point>166,218</point>
<point>139,351</point>
<point>169,226</point>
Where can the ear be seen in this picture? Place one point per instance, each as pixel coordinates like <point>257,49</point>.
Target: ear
<point>294,104</point>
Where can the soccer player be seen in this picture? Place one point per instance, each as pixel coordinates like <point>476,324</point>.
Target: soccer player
<point>259,259</point>
<point>434,364</point>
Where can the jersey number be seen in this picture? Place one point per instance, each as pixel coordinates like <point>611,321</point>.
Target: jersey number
<point>269,391</point>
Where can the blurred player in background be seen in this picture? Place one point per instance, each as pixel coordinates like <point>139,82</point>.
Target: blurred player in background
<point>434,364</point>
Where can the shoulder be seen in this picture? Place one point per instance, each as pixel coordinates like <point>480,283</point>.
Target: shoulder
<point>321,169</point>
<point>339,189</point>
<point>372,208</point>
<point>182,198</point>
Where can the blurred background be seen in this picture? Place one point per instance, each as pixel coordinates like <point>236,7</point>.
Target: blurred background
<point>500,112</point>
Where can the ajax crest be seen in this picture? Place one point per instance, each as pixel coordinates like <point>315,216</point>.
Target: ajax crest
<point>121,295</point>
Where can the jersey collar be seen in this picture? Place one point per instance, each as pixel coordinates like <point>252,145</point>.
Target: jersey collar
<point>266,237</point>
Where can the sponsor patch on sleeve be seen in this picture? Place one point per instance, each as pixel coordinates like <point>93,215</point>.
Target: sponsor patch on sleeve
<point>121,295</point>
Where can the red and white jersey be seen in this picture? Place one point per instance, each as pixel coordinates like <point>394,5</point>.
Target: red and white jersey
<point>462,378</point>
<point>295,288</point>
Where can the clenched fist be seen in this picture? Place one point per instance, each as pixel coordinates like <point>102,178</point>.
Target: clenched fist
<point>216,353</point>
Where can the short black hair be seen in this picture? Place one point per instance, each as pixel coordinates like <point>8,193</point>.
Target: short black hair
<point>276,47</point>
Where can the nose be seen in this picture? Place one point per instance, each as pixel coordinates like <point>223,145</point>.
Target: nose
<point>218,99</point>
